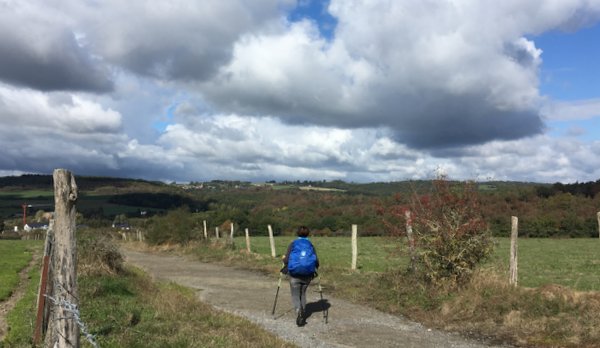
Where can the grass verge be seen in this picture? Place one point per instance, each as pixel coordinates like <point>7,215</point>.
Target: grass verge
<point>123,307</point>
<point>129,310</point>
<point>21,319</point>
<point>16,254</point>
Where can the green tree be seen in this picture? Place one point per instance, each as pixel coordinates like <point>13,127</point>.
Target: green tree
<point>178,226</point>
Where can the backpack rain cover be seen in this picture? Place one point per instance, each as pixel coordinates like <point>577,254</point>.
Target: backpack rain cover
<point>303,259</point>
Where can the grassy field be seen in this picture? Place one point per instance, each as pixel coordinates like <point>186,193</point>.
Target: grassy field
<point>574,263</point>
<point>14,256</point>
<point>335,252</point>
<point>45,194</point>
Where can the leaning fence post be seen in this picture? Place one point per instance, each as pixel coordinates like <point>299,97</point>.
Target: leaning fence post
<point>63,330</point>
<point>513,267</point>
<point>205,231</point>
<point>598,216</point>
<point>271,241</point>
<point>354,246</point>
<point>248,241</point>
<point>41,319</point>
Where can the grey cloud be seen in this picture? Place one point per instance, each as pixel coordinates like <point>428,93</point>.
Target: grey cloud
<point>41,52</point>
<point>436,122</point>
<point>73,45</point>
<point>185,41</point>
<point>429,120</point>
<point>436,81</point>
<point>66,67</point>
<point>179,63</point>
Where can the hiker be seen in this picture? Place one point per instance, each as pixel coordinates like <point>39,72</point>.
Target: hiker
<point>300,263</point>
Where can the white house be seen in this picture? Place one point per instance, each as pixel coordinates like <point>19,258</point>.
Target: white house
<point>35,226</point>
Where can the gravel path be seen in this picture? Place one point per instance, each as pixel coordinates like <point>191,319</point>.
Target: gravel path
<point>250,295</point>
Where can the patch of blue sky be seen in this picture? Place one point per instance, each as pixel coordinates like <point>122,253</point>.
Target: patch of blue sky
<point>317,11</point>
<point>570,63</point>
<point>584,130</point>
<point>167,119</point>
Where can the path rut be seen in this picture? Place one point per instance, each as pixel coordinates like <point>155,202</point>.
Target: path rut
<point>250,295</point>
<point>17,294</point>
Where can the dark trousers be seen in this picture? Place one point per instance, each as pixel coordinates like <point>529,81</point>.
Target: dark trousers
<point>298,288</point>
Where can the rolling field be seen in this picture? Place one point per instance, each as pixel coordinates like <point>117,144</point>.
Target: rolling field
<point>11,204</point>
<point>574,263</point>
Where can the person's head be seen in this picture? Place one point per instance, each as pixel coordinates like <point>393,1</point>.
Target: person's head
<point>303,231</point>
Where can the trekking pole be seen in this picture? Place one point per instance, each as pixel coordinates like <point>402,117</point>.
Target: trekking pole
<point>325,310</point>
<point>277,293</point>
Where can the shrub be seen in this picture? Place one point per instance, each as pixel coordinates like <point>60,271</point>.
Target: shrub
<point>98,254</point>
<point>450,236</point>
<point>175,227</point>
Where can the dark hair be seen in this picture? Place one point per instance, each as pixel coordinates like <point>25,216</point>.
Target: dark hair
<point>303,231</point>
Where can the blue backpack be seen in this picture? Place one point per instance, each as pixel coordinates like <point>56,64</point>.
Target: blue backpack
<point>303,259</point>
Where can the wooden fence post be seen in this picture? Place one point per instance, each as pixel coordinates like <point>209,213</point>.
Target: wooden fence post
<point>63,330</point>
<point>411,241</point>
<point>217,232</point>
<point>205,231</point>
<point>248,241</point>
<point>271,241</point>
<point>354,246</point>
<point>231,233</point>
<point>513,267</point>
<point>598,217</point>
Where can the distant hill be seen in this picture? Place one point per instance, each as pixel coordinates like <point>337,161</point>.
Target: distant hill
<point>544,210</point>
<point>86,183</point>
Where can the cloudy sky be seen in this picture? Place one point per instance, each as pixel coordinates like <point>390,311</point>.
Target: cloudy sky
<point>292,90</point>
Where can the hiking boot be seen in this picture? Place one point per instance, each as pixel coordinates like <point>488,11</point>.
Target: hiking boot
<point>300,320</point>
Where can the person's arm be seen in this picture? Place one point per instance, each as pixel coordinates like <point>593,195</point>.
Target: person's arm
<point>285,260</point>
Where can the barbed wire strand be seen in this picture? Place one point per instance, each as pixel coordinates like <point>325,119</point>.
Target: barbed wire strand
<point>72,309</point>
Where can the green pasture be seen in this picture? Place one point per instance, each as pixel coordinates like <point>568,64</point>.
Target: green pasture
<point>94,202</point>
<point>14,256</point>
<point>574,263</point>
<point>38,194</point>
<point>11,204</point>
<point>336,252</point>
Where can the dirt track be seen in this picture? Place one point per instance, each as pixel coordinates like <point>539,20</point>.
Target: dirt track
<point>10,303</point>
<point>251,295</point>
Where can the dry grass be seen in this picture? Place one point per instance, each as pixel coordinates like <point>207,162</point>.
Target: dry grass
<point>98,255</point>
<point>549,316</point>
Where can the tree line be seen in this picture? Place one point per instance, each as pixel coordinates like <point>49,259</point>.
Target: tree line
<point>560,215</point>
